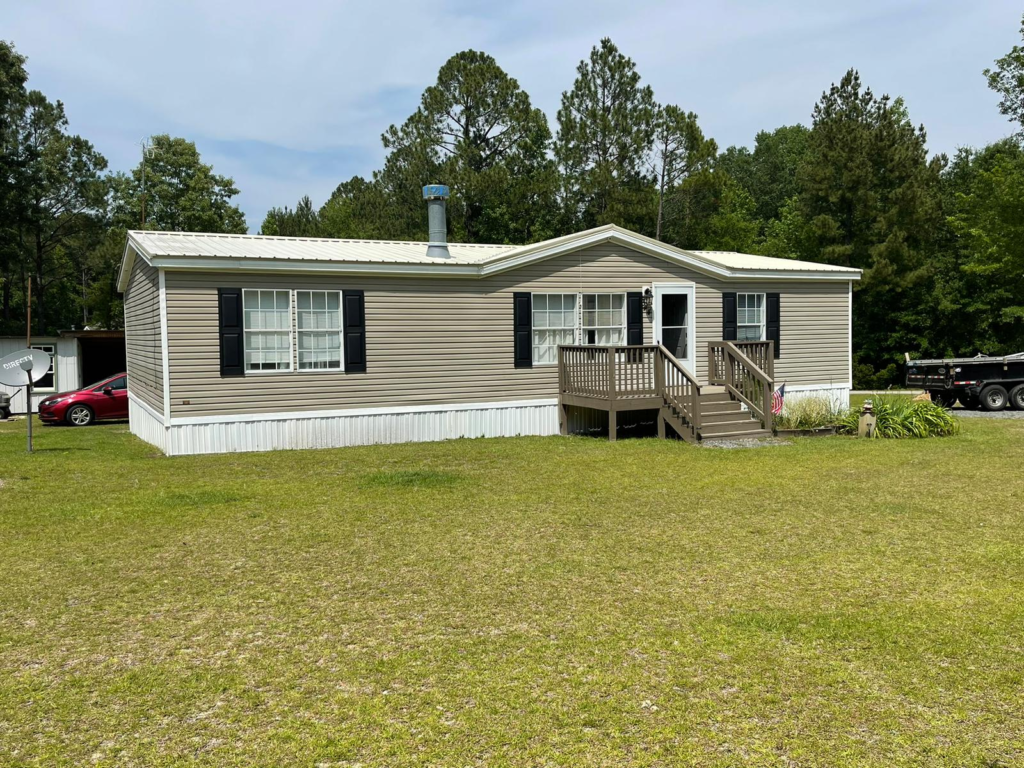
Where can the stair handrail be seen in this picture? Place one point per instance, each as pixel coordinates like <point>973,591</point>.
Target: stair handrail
<point>733,357</point>
<point>690,410</point>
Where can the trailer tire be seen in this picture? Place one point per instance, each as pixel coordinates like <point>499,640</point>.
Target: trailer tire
<point>994,398</point>
<point>943,397</point>
<point>1017,397</point>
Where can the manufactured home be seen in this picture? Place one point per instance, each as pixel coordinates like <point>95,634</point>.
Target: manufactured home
<point>250,343</point>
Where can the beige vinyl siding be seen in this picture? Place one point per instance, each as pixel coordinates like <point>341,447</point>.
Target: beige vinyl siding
<point>142,335</point>
<point>436,341</point>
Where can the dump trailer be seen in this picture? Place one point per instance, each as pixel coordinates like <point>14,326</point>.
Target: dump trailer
<point>992,383</point>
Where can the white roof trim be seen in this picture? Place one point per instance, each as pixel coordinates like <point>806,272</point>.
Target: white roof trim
<point>131,250</point>
<point>702,262</point>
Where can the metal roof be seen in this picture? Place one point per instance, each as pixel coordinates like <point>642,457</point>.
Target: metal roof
<point>156,244</point>
<point>735,260</point>
<point>195,251</point>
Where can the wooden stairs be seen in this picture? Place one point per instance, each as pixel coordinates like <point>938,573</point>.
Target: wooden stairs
<point>734,404</point>
<point>721,417</point>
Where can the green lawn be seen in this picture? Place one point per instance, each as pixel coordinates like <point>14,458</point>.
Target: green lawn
<point>535,601</point>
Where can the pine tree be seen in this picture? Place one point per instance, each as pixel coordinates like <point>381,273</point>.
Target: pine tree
<point>680,150</point>
<point>304,221</point>
<point>606,128</point>
<point>476,131</point>
<point>13,177</point>
<point>869,194</point>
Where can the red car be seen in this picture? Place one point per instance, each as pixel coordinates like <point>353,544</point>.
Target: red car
<point>107,399</point>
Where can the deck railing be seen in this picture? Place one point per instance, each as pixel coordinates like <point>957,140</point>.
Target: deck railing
<point>643,376</point>
<point>639,376</point>
<point>613,373</point>
<point>680,390</point>
<point>761,353</point>
<point>742,377</point>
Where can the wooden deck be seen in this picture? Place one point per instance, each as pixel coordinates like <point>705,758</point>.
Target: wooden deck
<point>648,377</point>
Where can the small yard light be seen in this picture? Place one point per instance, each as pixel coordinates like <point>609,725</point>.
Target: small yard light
<point>866,427</point>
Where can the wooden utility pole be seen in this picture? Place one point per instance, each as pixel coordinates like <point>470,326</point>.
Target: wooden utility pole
<point>28,344</point>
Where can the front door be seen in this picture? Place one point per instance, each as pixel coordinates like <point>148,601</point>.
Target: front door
<point>673,321</point>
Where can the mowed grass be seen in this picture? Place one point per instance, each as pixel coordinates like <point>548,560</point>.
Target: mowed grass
<point>534,601</point>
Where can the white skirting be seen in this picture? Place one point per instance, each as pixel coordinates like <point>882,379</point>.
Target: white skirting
<point>838,394</point>
<point>269,432</point>
<point>337,429</point>
<point>146,424</point>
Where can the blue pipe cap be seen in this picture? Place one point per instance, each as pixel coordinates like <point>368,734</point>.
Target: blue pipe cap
<point>432,191</point>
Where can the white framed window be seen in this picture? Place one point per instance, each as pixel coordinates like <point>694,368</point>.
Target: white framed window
<point>597,319</point>
<point>750,317</point>
<point>604,319</point>
<point>49,382</point>
<point>268,330</point>
<point>318,330</point>
<point>554,323</point>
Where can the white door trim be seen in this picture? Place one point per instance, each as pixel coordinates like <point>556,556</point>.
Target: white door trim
<point>689,289</point>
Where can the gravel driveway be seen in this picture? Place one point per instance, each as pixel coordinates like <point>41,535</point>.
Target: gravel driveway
<point>988,414</point>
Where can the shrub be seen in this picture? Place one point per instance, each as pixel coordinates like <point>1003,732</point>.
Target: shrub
<point>866,377</point>
<point>900,417</point>
<point>811,413</point>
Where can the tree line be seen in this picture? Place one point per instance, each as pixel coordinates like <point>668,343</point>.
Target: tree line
<point>937,237</point>
<point>63,215</point>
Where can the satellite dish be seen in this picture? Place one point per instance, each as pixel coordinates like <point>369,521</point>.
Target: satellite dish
<point>24,367</point>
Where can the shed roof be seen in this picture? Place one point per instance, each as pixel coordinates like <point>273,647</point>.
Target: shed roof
<point>225,252</point>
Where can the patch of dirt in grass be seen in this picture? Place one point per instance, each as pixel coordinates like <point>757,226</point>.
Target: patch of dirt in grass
<point>414,478</point>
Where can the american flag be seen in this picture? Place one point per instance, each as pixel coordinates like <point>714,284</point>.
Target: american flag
<point>778,397</point>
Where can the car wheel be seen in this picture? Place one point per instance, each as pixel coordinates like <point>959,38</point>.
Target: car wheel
<point>945,399</point>
<point>993,398</point>
<point>79,416</point>
<point>1017,397</point>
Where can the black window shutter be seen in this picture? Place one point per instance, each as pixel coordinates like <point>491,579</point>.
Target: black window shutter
<point>634,319</point>
<point>354,327</point>
<point>728,317</point>
<point>232,348</point>
<point>772,325</point>
<point>522,321</point>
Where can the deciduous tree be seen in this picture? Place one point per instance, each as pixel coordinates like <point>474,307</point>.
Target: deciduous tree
<point>180,192</point>
<point>1007,79</point>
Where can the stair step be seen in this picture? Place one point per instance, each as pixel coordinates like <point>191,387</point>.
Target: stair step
<point>732,407</point>
<point>729,427</point>
<point>716,397</point>
<point>712,417</point>
<point>735,435</point>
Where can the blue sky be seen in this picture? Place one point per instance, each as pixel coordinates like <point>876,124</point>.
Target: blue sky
<point>291,98</point>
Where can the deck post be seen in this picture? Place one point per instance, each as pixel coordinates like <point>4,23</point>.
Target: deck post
<point>661,425</point>
<point>613,422</point>
<point>659,374</point>
<point>611,373</point>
